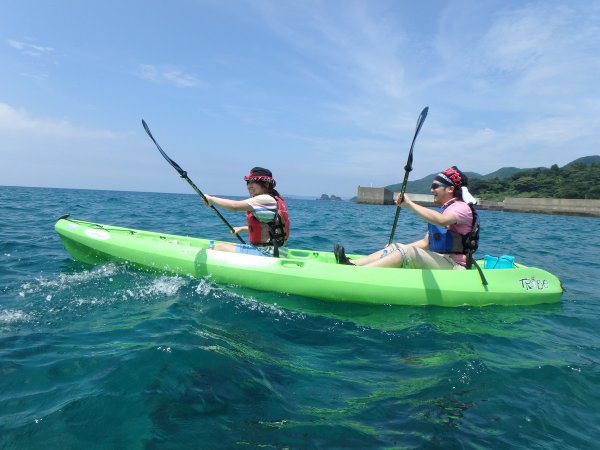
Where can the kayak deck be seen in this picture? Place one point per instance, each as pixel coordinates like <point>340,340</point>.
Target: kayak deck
<point>305,272</point>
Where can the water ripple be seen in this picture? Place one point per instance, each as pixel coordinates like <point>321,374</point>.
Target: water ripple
<point>110,357</point>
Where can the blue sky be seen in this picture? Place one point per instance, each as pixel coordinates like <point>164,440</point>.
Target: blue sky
<point>324,93</point>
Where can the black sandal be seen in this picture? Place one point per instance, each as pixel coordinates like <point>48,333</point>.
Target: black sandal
<point>340,255</point>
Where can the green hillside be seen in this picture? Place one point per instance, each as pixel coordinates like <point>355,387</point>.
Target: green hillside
<point>578,179</point>
<point>505,172</point>
<point>571,181</point>
<point>422,186</point>
<point>586,160</point>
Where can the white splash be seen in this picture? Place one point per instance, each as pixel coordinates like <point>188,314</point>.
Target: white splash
<point>10,316</point>
<point>207,289</point>
<point>67,281</point>
<point>164,285</point>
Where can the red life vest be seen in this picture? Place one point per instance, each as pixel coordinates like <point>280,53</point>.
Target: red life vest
<point>278,228</point>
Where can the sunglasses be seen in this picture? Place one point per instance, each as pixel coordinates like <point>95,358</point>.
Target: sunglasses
<point>437,185</point>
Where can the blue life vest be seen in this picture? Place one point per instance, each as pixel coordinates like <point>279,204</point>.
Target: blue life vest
<point>442,240</point>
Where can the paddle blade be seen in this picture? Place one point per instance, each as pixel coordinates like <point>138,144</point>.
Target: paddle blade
<point>420,121</point>
<point>176,166</point>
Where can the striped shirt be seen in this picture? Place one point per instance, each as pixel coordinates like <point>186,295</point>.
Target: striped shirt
<point>264,207</point>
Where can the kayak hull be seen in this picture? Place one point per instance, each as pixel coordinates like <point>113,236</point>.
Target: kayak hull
<point>306,273</point>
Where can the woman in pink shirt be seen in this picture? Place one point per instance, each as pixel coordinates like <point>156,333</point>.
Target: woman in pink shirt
<point>442,247</point>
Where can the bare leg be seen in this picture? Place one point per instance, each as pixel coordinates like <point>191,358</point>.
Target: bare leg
<point>225,248</point>
<point>409,256</point>
<point>394,258</point>
<point>372,258</point>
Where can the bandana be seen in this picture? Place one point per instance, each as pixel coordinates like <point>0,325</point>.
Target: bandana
<point>454,177</point>
<point>260,174</point>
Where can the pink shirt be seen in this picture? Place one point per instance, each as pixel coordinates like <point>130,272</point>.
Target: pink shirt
<point>464,219</point>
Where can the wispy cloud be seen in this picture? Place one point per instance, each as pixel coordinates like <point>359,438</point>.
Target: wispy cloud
<point>13,120</point>
<point>520,56</point>
<point>511,80</point>
<point>250,115</point>
<point>341,82</point>
<point>35,76</point>
<point>30,49</point>
<point>544,50</point>
<point>355,43</point>
<point>168,75</point>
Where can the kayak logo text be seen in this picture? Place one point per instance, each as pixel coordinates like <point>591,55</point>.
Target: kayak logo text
<point>533,283</point>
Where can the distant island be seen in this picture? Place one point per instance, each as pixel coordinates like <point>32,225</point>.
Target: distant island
<point>329,197</point>
<point>578,179</point>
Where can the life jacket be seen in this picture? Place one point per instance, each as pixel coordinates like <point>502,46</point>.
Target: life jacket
<point>442,240</point>
<point>278,228</point>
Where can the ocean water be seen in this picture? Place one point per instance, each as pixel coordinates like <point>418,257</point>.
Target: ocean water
<point>106,357</point>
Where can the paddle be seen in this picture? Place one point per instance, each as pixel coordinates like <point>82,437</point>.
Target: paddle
<point>183,174</point>
<point>408,168</point>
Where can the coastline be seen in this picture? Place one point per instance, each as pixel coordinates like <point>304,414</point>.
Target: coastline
<point>560,206</point>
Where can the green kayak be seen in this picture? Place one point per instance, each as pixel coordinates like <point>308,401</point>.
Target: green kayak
<point>304,272</point>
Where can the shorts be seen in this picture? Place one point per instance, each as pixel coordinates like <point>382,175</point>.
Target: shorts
<point>266,250</point>
<point>417,258</point>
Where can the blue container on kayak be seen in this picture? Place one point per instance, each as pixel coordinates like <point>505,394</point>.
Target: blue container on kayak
<point>498,262</point>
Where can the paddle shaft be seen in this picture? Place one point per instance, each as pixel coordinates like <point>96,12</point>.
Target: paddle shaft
<point>183,175</point>
<point>407,170</point>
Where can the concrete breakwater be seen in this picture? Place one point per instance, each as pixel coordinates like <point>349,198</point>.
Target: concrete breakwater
<point>564,206</point>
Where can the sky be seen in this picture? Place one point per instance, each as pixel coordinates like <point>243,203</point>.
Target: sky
<point>326,94</point>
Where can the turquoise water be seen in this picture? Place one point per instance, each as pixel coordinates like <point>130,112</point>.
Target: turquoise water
<point>105,357</point>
